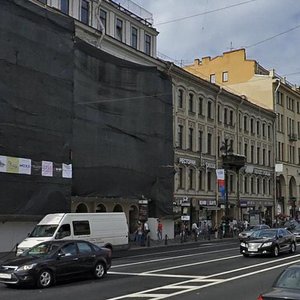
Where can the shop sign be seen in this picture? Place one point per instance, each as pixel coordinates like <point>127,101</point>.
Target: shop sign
<point>268,203</point>
<point>261,172</point>
<point>143,212</point>
<point>185,201</point>
<point>185,218</point>
<point>207,202</point>
<point>187,161</point>
<point>247,203</point>
<point>210,165</point>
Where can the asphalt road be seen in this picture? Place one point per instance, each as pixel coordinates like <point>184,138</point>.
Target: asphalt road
<point>208,270</point>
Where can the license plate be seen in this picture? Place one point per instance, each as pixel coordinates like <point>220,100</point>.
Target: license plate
<point>5,276</point>
<point>253,249</point>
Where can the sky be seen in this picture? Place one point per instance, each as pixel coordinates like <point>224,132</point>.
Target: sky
<point>269,30</point>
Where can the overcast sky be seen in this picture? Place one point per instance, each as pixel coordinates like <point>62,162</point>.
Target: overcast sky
<point>211,27</point>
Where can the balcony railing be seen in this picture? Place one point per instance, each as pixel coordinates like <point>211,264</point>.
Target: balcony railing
<point>293,137</point>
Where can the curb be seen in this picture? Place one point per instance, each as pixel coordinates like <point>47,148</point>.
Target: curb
<point>177,242</point>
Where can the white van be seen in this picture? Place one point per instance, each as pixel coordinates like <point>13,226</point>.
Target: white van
<point>103,229</point>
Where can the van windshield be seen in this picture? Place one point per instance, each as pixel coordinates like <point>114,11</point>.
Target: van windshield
<point>43,231</point>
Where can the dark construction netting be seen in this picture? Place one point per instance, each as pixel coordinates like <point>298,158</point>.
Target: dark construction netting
<point>58,97</point>
<point>36,95</point>
<point>122,132</point>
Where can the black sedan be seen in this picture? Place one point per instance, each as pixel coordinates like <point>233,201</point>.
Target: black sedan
<point>286,286</point>
<point>247,232</point>
<point>269,241</point>
<point>48,262</point>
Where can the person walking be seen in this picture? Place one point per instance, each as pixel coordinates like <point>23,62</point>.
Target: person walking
<point>159,230</point>
<point>195,230</point>
<point>139,234</point>
<point>146,232</point>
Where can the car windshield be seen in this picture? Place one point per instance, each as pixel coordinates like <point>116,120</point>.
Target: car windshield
<point>43,249</point>
<point>252,228</point>
<point>289,279</point>
<point>43,231</point>
<point>265,233</point>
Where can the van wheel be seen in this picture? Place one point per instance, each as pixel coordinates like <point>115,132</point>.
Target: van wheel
<point>99,270</point>
<point>45,279</point>
<point>276,251</point>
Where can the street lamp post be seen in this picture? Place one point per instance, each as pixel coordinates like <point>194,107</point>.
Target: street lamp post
<point>226,148</point>
<point>234,162</point>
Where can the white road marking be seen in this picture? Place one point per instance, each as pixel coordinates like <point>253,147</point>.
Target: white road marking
<point>200,246</point>
<point>192,264</point>
<point>169,258</point>
<point>186,286</point>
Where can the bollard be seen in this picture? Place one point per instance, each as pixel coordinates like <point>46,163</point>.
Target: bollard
<point>148,241</point>
<point>166,239</point>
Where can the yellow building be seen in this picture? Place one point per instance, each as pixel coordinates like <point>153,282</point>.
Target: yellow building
<point>266,88</point>
<point>241,75</point>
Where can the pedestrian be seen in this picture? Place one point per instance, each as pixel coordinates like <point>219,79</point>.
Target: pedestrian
<point>159,229</point>
<point>205,230</point>
<point>146,231</point>
<point>216,229</point>
<point>195,230</point>
<point>139,234</point>
<point>182,233</point>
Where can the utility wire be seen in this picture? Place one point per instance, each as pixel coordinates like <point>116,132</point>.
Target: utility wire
<point>272,37</point>
<point>204,13</point>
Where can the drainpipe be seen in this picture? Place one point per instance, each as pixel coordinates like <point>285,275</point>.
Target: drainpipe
<point>240,215</point>
<point>102,28</point>
<point>217,150</point>
<point>275,147</point>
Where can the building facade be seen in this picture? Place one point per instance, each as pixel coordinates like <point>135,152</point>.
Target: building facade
<point>107,23</point>
<point>205,115</point>
<point>73,67</point>
<point>267,89</point>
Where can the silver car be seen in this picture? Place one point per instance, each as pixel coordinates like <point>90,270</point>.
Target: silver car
<point>296,232</point>
<point>247,232</point>
<point>286,286</point>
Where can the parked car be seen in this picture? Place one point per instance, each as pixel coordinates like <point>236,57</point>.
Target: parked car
<point>269,241</point>
<point>51,261</point>
<point>286,286</point>
<point>296,232</point>
<point>247,232</point>
<point>290,224</point>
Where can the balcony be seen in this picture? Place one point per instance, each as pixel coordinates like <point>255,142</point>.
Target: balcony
<point>293,137</point>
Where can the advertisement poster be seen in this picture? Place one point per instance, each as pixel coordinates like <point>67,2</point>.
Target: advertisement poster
<point>3,163</point>
<point>47,168</point>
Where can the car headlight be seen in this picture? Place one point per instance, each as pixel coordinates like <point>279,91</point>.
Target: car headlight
<point>243,245</point>
<point>267,244</point>
<point>20,251</point>
<point>26,267</point>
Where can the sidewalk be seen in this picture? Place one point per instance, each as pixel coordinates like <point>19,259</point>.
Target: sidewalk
<point>177,241</point>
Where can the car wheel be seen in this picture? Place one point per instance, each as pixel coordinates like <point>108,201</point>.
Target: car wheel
<point>293,248</point>
<point>45,279</point>
<point>245,255</point>
<point>99,270</point>
<point>276,251</point>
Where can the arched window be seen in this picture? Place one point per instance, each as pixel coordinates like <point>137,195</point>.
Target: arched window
<point>100,208</point>
<point>81,208</point>
<point>118,208</point>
